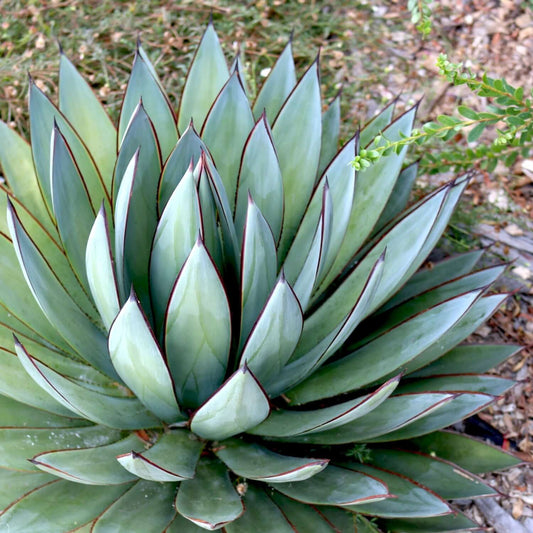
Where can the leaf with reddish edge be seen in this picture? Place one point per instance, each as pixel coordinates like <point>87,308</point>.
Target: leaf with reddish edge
<point>209,500</point>
<point>172,458</point>
<point>252,461</point>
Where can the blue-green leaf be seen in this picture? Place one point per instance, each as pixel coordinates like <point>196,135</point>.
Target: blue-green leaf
<point>330,133</point>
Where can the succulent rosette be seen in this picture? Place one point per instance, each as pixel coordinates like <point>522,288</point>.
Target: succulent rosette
<point>213,321</point>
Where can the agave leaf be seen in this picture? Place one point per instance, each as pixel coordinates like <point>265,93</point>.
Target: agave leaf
<point>14,414</point>
<point>374,187</point>
<point>410,500</point>
<point>100,270</point>
<point>197,329</point>
<point>238,66</point>
<point>207,74</point>
<point>456,522</point>
<point>187,151</point>
<point>305,517</point>
<point>446,479</point>
<point>33,512</point>
<point>252,461</point>
<point>461,406</point>
<point>492,385</point>
<point>470,359</point>
<point>172,458</point>
<point>112,411</point>
<point>90,466</point>
<point>225,131</point>
<point>140,363</point>
<point>72,206</point>
<point>341,177</point>
<point>260,177</point>
<point>330,133</point>
<point>138,165</point>
<point>314,263</point>
<point>17,384</point>
<point>386,354</point>
<point>403,244</point>
<point>469,453</point>
<point>399,196</point>
<point>433,276</point>
<point>274,335</point>
<point>297,140</point>
<point>240,404</point>
<point>466,325</point>
<point>18,171</point>
<point>182,525</point>
<point>262,515</point>
<point>277,86</point>
<point>336,486</point>
<point>13,485</point>
<point>177,231</point>
<point>209,500</point>
<point>377,124</point>
<point>69,320</point>
<point>393,413</point>
<point>144,85</point>
<point>284,423</point>
<point>43,116</point>
<point>18,444</point>
<point>144,507</point>
<point>258,267</point>
<point>90,120</point>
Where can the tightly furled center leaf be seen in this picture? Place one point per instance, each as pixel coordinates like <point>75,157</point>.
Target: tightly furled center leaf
<point>215,315</point>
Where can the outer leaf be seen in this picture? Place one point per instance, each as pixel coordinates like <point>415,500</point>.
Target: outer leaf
<point>252,461</point>
<point>274,336</point>
<point>63,313</point>
<point>492,385</point>
<point>90,120</point>
<point>438,524</point>
<point>18,170</point>
<point>377,124</point>
<point>225,131</point>
<point>386,354</point>
<point>237,406</point>
<point>136,205</point>
<point>284,423</point>
<point>144,507</point>
<point>336,486</point>
<point>172,458</point>
<point>297,140</point>
<point>260,177</point>
<point>374,187</point>
<point>207,74</point>
<point>262,515</point>
<point>393,413</point>
<point>410,500</point>
<point>188,150</point>
<point>277,86</point>
<point>177,231</point>
<point>144,85</point>
<point>197,329</point>
<point>140,363</point>
<point>18,444</point>
<point>13,485</point>
<point>112,411</point>
<point>444,478</point>
<point>91,466</point>
<point>72,206</point>
<point>258,268</point>
<point>34,512</point>
<point>471,454</point>
<point>470,359</point>
<point>330,133</point>
<point>100,270</point>
<point>43,116</point>
<point>209,500</point>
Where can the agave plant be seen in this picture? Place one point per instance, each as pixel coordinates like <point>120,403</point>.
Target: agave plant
<point>224,327</point>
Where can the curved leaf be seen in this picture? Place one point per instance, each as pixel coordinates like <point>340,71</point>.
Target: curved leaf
<point>330,133</point>
<point>13,485</point>
<point>197,329</point>
<point>237,406</point>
